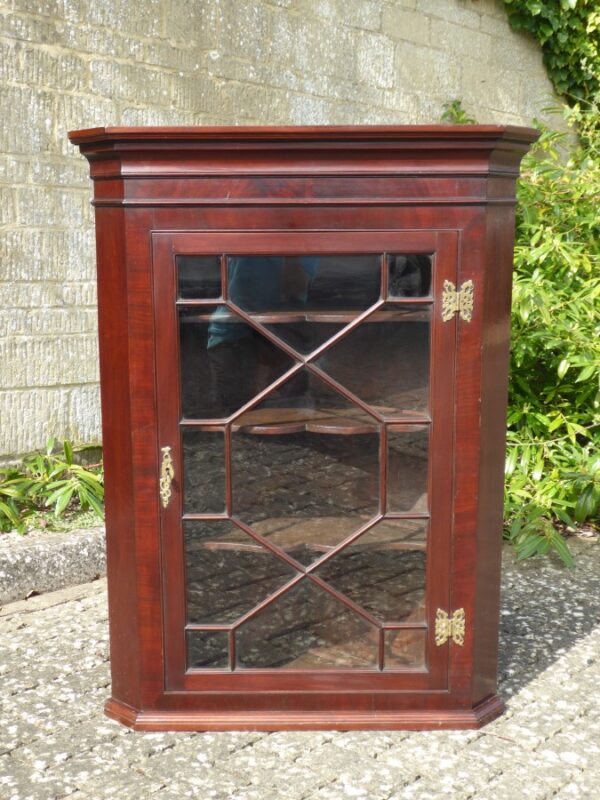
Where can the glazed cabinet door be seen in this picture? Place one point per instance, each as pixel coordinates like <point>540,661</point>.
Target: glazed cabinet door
<point>305,395</point>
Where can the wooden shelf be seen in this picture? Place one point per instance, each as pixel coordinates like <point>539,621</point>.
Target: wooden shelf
<point>322,534</point>
<point>289,317</point>
<point>342,421</point>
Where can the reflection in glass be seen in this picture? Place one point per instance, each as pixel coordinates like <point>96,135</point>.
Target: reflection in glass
<point>404,649</point>
<point>305,461</point>
<point>307,628</point>
<point>305,491</point>
<point>307,282</point>
<point>198,277</point>
<point>305,403</point>
<point>227,572</point>
<point>399,534</point>
<point>224,362</point>
<point>407,469</point>
<point>385,360</point>
<point>380,574</point>
<point>409,275</point>
<point>302,332</point>
<point>208,649</point>
<point>203,471</point>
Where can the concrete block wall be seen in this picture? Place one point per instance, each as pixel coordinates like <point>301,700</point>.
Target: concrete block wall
<point>68,64</point>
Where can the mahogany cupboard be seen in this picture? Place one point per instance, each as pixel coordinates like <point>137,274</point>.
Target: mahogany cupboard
<point>304,349</point>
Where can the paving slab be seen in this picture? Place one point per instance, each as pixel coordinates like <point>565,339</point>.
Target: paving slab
<point>56,743</point>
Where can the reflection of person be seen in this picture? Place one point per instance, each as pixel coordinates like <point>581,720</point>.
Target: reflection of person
<point>410,276</point>
<point>242,361</point>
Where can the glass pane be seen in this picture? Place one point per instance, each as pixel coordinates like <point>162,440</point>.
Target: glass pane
<point>400,534</point>
<point>307,628</point>
<point>227,572</point>
<point>304,331</point>
<point>381,575</point>
<point>407,469</point>
<point>305,403</point>
<point>304,460</point>
<point>404,649</point>
<point>409,275</point>
<point>203,471</point>
<point>198,277</point>
<point>385,360</point>
<point>315,282</point>
<point>224,362</point>
<point>305,491</point>
<point>208,649</point>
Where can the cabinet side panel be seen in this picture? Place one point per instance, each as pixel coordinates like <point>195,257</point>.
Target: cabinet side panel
<point>494,388</point>
<point>144,500</point>
<point>467,453</point>
<point>116,430</point>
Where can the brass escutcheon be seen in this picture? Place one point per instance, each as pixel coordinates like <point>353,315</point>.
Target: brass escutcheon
<point>167,473</point>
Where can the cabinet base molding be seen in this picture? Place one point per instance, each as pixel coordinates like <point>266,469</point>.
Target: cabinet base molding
<point>194,720</point>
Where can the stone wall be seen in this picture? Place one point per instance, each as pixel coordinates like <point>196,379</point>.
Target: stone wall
<point>82,63</point>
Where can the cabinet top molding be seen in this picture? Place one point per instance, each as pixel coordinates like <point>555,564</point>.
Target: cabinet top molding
<point>128,165</point>
<point>319,135</point>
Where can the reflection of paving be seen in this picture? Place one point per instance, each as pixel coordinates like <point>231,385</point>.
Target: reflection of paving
<point>307,628</point>
<point>306,490</point>
<point>310,475</point>
<point>306,621</point>
<point>306,493</point>
<point>203,472</point>
<point>54,741</point>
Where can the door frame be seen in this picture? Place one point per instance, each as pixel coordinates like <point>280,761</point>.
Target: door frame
<point>165,247</point>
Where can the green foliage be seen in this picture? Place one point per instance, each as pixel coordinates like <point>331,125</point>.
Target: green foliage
<point>569,33</point>
<point>553,454</point>
<point>454,114</point>
<point>50,480</point>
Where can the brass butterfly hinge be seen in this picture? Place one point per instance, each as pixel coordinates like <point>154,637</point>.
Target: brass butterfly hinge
<point>457,301</point>
<point>167,473</point>
<point>452,627</point>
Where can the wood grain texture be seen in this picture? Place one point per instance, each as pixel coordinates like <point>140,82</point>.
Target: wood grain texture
<point>446,190</point>
<point>125,639</point>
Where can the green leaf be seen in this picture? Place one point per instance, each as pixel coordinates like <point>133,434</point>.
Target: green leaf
<point>539,467</point>
<point>63,501</point>
<point>511,461</point>
<point>54,496</point>
<point>545,546</point>
<point>563,368</point>
<point>564,517</point>
<point>534,7</point>
<point>515,527</point>
<point>83,497</point>
<point>586,373</point>
<point>55,484</point>
<point>530,546</point>
<point>563,551</point>
<point>96,505</point>
<point>9,513</point>
<point>585,505</point>
<point>91,480</point>
<point>68,451</point>
<point>555,423</point>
